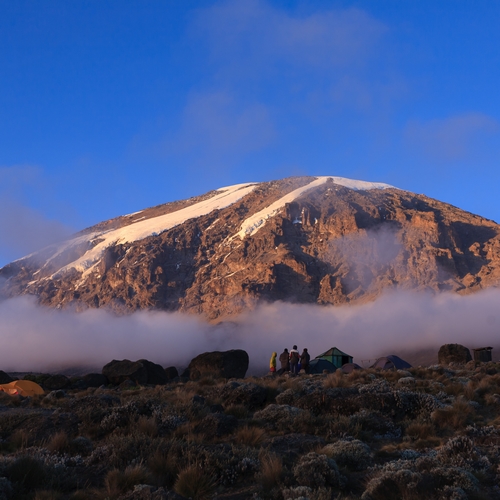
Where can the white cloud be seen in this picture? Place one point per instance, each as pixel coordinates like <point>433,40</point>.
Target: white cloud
<point>251,34</point>
<point>219,125</point>
<point>23,228</point>
<point>38,338</point>
<point>455,138</point>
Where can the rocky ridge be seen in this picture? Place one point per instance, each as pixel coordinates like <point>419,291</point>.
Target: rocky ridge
<point>323,240</point>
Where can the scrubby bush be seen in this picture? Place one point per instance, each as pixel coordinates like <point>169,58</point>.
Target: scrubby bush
<point>353,454</point>
<point>401,484</point>
<point>317,470</point>
<point>27,474</point>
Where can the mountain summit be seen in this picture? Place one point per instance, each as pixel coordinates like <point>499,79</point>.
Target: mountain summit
<point>324,240</point>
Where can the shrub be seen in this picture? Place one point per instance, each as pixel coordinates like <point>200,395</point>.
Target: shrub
<point>302,492</point>
<point>193,483</point>
<point>271,471</point>
<point>316,471</point>
<point>118,482</point>
<point>27,474</point>
<point>401,484</point>
<point>354,454</point>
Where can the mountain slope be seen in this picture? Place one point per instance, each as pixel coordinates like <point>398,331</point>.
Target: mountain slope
<point>324,240</point>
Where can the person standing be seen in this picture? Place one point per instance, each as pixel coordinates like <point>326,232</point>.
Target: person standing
<point>294,360</point>
<point>305,357</point>
<point>285,361</point>
<point>272,363</point>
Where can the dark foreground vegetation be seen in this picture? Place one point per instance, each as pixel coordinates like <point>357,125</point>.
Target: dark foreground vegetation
<point>431,433</point>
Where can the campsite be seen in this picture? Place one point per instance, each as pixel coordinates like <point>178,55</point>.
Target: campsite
<point>139,431</point>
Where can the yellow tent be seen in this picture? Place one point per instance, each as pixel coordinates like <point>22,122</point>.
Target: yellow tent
<point>21,388</point>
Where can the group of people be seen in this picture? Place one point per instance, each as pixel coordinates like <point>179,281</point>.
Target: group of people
<point>291,361</point>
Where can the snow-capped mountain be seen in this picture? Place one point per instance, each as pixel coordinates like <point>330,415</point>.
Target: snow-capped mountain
<point>325,240</point>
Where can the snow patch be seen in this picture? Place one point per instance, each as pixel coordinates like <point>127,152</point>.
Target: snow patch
<point>139,230</point>
<point>251,225</point>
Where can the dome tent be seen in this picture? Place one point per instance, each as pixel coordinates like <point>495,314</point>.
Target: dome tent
<point>391,362</point>
<point>350,367</point>
<point>319,365</point>
<point>21,388</point>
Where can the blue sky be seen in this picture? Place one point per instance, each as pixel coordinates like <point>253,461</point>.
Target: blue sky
<point>107,107</point>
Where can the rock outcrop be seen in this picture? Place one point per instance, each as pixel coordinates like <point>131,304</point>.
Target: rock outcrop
<point>453,353</point>
<point>299,239</point>
<point>141,372</point>
<point>225,364</point>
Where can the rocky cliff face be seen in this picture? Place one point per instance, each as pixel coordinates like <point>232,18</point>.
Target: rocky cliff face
<point>303,239</point>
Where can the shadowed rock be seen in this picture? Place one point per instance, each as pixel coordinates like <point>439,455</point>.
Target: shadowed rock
<point>94,380</point>
<point>141,372</point>
<point>226,364</point>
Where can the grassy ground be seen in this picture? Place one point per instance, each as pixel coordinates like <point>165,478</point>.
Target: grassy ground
<point>424,433</point>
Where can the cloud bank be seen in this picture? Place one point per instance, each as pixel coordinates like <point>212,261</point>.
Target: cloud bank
<point>35,338</point>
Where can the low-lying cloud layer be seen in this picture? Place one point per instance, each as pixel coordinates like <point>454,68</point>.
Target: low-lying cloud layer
<point>35,338</point>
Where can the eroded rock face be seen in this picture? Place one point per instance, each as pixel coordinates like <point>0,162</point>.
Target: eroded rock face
<point>225,364</point>
<point>331,245</point>
<point>453,353</point>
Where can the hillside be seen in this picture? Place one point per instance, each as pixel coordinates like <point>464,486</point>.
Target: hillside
<point>324,240</point>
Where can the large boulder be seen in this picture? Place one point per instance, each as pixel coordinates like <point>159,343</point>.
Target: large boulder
<point>225,364</point>
<point>171,372</point>
<point>95,379</point>
<point>141,372</point>
<point>453,353</point>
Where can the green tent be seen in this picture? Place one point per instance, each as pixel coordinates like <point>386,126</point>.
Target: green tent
<point>336,357</point>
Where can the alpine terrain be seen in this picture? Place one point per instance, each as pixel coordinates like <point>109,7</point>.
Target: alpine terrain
<point>324,240</point>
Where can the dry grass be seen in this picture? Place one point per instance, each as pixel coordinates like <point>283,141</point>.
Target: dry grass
<point>249,436</point>
<point>238,411</point>
<point>118,482</point>
<point>47,495</point>
<point>164,468</point>
<point>271,471</point>
<point>419,430</point>
<point>59,443</point>
<point>147,426</point>
<point>455,417</point>
<point>193,482</point>
<point>337,379</point>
